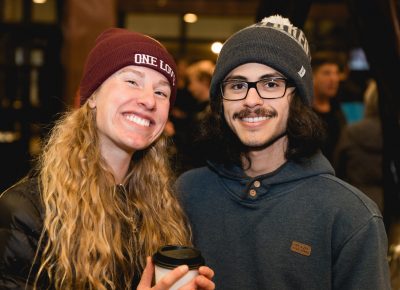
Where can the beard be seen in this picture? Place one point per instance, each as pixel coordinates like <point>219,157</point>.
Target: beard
<point>256,143</point>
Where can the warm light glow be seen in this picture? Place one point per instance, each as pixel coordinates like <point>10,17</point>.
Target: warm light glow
<point>162,3</point>
<point>216,47</point>
<point>190,18</point>
<point>39,1</point>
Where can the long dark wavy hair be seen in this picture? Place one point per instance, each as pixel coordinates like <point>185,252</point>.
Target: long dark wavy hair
<point>305,133</point>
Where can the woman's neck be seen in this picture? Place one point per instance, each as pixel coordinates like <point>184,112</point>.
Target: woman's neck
<point>119,162</point>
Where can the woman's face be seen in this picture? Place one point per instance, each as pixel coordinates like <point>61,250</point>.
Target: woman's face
<point>132,108</point>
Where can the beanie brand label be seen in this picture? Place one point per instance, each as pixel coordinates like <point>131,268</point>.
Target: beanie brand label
<point>302,71</point>
<point>141,58</point>
<point>291,31</point>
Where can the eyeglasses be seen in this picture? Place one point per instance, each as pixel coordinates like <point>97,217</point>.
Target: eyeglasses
<point>267,88</point>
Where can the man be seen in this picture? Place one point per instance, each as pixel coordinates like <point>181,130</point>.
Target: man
<point>267,212</point>
<point>326,76</point>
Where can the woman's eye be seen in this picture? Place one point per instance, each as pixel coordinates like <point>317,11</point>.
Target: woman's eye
<point>162,94</point>
<point>132,82</point>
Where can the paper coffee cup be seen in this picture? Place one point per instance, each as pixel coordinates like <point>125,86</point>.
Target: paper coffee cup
<point>171,256</point>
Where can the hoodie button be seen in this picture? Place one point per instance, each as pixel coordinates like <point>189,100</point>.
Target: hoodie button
<point>253,192</point>
<point>257,183</point>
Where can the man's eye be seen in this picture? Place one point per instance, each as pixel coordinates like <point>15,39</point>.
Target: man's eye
<point>238,86</point>
<point>269,84</point>
<point>132,82</point>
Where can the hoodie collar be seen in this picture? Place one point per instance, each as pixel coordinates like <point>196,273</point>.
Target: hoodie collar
<point>245,188</point>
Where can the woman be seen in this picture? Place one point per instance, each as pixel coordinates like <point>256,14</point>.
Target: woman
<point>100,200</point>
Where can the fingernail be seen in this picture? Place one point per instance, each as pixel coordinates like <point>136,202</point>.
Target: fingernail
<point>183,268</point>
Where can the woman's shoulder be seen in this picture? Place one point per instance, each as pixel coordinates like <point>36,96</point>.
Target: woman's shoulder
<point>20,205</point>
<point>20,230</point>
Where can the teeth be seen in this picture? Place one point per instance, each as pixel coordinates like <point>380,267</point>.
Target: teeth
<point>137,120</point>
<point>254,119</point>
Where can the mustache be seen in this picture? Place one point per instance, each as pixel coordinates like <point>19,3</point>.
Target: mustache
<point>259,112</point>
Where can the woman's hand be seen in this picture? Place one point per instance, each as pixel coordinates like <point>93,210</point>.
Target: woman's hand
<point>201,282</point>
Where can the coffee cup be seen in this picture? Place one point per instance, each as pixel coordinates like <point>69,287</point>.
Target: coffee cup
<point>171,256</point>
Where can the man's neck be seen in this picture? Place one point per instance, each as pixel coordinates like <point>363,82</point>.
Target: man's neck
<point>266,160</point>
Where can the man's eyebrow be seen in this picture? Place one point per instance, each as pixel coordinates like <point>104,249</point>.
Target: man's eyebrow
<point>236,78</point>
<point>272,75</point>
<point>242,78</point>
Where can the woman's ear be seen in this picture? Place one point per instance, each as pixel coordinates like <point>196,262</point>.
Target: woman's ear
<point>92,101</point>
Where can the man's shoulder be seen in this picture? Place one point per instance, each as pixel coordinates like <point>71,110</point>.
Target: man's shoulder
<point>196,174</point>
<point>196,180</point>
<point>339,191</point>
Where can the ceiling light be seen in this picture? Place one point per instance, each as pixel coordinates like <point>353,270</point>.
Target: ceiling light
<point>216,47</point>
<point>190,18</point>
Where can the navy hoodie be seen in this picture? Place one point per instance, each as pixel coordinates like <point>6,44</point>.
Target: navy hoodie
<point>298,227</point>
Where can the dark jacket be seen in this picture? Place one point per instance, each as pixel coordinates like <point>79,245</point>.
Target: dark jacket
<point>21,216</point>
<point>334,122</point>
<point>21,222</point>
<point>358,158</point>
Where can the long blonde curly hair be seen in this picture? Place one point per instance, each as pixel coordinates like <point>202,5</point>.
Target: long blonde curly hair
<point>97,235</point>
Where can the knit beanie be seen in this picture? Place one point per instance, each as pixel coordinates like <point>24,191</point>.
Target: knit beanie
<point>116,48</point>
<point>274,42</point>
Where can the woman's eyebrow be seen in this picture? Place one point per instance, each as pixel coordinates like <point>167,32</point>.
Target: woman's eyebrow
<point>131,70</point>
<point>164,82</point>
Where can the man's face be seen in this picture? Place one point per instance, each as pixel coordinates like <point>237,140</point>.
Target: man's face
<point>326,80</point>
<point>257,122</point>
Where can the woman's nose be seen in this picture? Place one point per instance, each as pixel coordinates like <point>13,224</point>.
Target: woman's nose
<point>147,98</point>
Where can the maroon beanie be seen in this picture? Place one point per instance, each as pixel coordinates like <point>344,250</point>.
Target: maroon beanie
<point>116,48</point>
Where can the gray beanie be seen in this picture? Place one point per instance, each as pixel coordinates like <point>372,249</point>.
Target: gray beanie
<point>274,42</point>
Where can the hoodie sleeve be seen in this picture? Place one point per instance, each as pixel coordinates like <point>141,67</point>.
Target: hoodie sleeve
<point>367,246</point>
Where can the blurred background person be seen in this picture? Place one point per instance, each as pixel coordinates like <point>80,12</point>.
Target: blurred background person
<point>326,74</point>
<point>185,102</point>
<point>358,158</point>
<point>199,76</point>
<point>190,150</point>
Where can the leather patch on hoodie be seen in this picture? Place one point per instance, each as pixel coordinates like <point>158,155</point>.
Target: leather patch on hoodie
<point>301,248</point>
